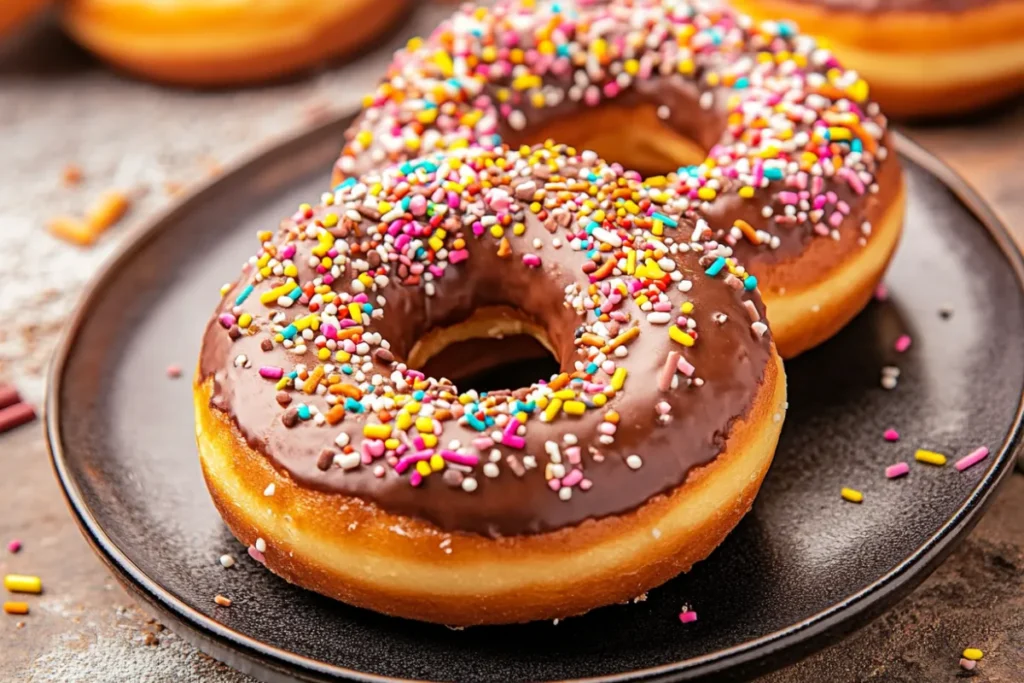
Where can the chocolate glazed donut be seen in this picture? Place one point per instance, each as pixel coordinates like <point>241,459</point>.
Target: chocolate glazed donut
<point>349,472</point>
<point>922,57</point>
<point>762,131</point>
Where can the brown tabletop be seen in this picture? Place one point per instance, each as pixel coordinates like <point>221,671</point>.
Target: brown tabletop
<point>58,107</point>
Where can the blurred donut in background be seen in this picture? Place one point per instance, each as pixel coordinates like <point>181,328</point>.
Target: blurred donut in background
<point>15,12</point>
<point>921,57</point>
<point>209,43</point>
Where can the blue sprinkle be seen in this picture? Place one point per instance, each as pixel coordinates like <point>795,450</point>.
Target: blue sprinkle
<point>289,332</point>
<point>750,283</point>
<point>563,50</point>
<point>475,423</point>
<point>406,200</point>
<point>293,374</point>
<point>304,412</point>
<point>489,420</point>
<point>348,182</point>
<point>741,83</point>
<point>526,407</point>
<point>243,295</point>
<point>786,29</point>
<point>591,368</point>
<point>857,145</point>
<point>418,395</point>
<point>295,294</point>
<point>353,406</point>
<point>773,173</point>
<point>716,267</point>
<point>347,369</point>
<point>670,222</point>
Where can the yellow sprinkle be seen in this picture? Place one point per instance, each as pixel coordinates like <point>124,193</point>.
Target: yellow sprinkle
<point>852,495</point>
<point>930,457</point>
<point>272,295</point>
<point>436,462</point>
<point>355,312</point>
<point>973,654</point>
<point>403,421</point>
<point>552,410</point>
<point>423,467</point>
<point>429,440</point>
<point>574,407</point>
<point>244,320</point>
<point>324,353</point>
<point>19,583</point>
<point>377,431</point>
<point>706,193</point>
<point>600,400</point>
<point>680,337</point>
<point>565,394</point>
<point>425,425</point>
<point>282,383</point>
<point>392,443</point>
<point>686,308</point>
<point>618,378</point>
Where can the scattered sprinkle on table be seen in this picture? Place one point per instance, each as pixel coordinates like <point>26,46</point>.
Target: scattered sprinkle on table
<point>930,457</point>
<point>174,371</point>
<point>973,654</point>
<point>971,459</point>
<point>20,583</point>
<point>967,664</point>
<point>688,616</point>
<point>902,343</point>
<point>16,607</point>
<point>891,435</point>
<point>72,175</point>
<point>227,560</point>
<point>222,601</point>
<point>852,495</point>
<point>14,546</point>
<point>898,470</point>
<point>890,375</point>
<point>15,416</point>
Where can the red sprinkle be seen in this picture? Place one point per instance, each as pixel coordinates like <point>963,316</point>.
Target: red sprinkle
<point>15,416</point>
<point>8,395</point>
<point>14,546</point>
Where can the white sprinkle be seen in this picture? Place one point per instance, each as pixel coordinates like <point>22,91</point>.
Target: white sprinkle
<point>565,493</point>
<point>469,484</point>
<point>634,462</point>
<point>227,561</point>
<point>261,545</point>
<point>269,491</point>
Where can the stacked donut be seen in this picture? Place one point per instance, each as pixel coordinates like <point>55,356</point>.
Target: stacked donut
<point>922,57</point>
<point>348,470</point>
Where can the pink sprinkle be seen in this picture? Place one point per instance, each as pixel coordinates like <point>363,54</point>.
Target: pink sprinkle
<point>415,478</point>
<point>174,371</point>
<point>257,555</point>
<point>513,441</point>
<point>531,260</point>
<point>572,478</point>
<point>898,470</point>
<point>268,372</point>
<point>891,435</point>
<point>688,617</point>
<point>14,546</point>
<point>881,292</point>
<point>967,664</point>
<point>973,458</point>
<point>467,459</point>
<point>903,343</point>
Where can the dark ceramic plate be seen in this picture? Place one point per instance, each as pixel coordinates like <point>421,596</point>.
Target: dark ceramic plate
<point>803,569</point>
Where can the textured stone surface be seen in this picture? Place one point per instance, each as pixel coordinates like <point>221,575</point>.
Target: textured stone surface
<point>57,107</point>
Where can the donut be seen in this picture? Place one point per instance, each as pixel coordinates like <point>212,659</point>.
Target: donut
<point>228,42</point>
<point>763,131</point>
<point>348,471</point>
<point>922,57</point>
<point>14,13</point>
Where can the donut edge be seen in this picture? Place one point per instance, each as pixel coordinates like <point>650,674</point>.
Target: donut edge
<point>353,551</point>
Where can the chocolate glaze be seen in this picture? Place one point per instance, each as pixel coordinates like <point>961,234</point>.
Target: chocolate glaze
<point>729,358</point>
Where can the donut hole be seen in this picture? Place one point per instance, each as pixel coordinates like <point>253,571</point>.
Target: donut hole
<point>497,347</point>
<point>638,137</point>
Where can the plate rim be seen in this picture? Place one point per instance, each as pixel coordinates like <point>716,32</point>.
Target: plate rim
<point>783,646</point>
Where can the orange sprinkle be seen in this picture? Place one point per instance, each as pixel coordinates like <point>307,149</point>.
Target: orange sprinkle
<point>72,230</point>
<point>590,339</point>
<point>335,415</point>
<point>107,210</point>
<point>624,338</point>
<point>504,248</point>
<point>559,382</point>
<point>346,390</point>
<point>16,607</point>
<point>222,601</point>
<point>350,332</point>
<point>314,380</point>
<point>71,175</point>
<point>748,230</point>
